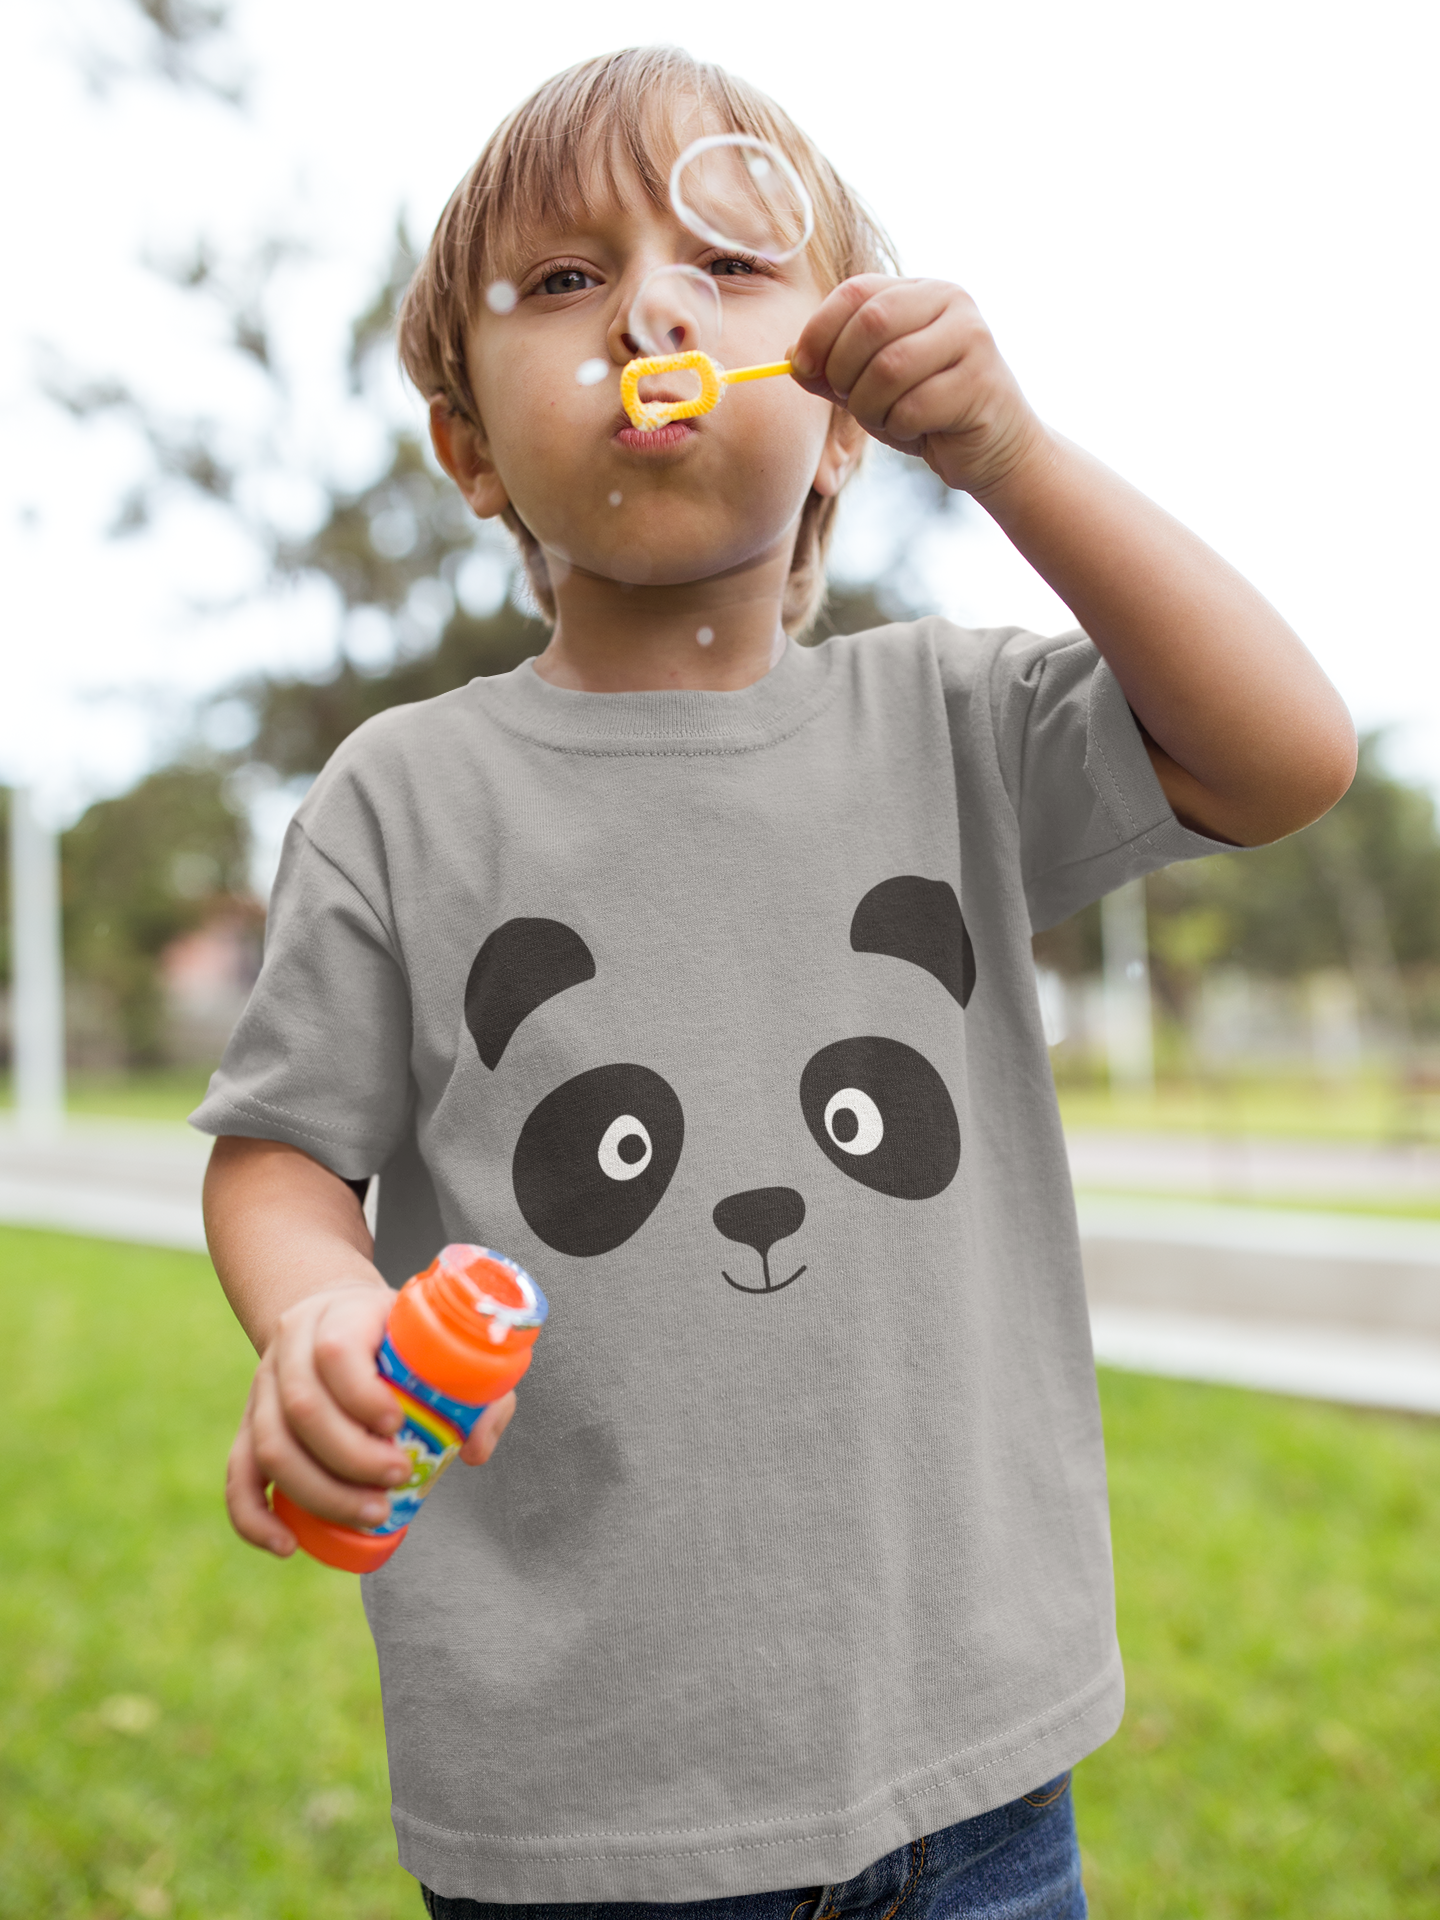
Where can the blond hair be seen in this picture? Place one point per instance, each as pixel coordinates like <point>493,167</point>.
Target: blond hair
<point>619,110</point>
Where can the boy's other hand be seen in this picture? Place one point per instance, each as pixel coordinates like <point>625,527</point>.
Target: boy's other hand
<point>915,364</point>
<point>318,1420</point>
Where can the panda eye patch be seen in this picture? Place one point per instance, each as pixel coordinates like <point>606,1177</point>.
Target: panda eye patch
<point>594,1158</point>
<point>880,1112</point>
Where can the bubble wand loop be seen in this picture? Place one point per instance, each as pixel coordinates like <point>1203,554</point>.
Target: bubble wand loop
<point>647,415</point>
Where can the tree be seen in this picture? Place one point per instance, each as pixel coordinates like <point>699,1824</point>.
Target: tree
<point>136,873</point>
<point>1358,889</point>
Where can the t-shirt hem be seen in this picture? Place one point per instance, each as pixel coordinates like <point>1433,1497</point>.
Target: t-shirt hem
<point>753,1857</point>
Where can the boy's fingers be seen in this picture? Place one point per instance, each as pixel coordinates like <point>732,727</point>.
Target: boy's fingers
<point>934,406</point>
<point>282,1459</point>
<point>345,1341</point>
<point>886,397</point>
<point>812,350</point>
<point>310,1408</point>
<point>323,1428</point>
<point>896,328</point>
<point>245,1500</point>
<point>484,1436</point>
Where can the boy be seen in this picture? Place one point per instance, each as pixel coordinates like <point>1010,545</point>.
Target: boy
<point>692,969</point>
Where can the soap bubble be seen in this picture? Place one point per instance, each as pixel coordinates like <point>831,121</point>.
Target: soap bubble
<point>616,498</point>
<point>501,297</point>
<point>736,191</point>
<point>705,635</point>
<point>590,372</point>
<point>677,310</point>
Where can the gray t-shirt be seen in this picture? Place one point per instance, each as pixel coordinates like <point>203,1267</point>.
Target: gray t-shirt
<point>717,1012</point>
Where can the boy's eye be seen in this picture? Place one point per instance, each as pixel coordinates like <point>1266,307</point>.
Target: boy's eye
<point>731,265</point>
<point>568,280</point>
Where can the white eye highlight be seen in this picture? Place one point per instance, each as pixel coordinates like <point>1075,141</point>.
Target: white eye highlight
<point>627,1149</point>
<point>853,1121</point>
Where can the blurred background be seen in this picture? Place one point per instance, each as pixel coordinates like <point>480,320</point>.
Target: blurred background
<point>1205,242</point>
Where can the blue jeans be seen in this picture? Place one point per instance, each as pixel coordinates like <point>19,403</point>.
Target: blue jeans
<point>1018,1862</point>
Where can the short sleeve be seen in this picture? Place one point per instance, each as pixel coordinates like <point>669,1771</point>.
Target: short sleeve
<point>1091,811</point>
<point>320,1057</point>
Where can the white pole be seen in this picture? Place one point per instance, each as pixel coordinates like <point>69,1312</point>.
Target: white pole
<point>1129,1041</point>
<point>37,999</point>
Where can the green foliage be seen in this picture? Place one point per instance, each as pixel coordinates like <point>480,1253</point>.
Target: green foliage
<point>138,871</point>
<point>1291,908</point>
<point>190,1729</point>
<point>301,722</point>
<point>376,543</point>
<point>1359,889</point>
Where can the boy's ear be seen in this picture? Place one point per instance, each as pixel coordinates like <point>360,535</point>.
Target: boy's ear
<point>837,456</point>
<point>461,448</point>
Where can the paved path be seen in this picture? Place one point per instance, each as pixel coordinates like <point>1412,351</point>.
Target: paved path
<point>1333,1306</point>
<point>1212,1166</point>
<point>118,1180</point>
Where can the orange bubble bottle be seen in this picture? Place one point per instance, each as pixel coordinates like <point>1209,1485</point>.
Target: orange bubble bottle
<point>458,1337</point>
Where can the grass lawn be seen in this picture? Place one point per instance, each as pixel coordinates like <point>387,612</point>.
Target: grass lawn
<point>188,1729</point>
<point>1372,1109</point>
<point>1302,1109</point>
<point>161,1093</point>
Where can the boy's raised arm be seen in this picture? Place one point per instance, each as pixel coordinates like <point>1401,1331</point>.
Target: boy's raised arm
<point>292,1250</point>
<point>1249,739</point>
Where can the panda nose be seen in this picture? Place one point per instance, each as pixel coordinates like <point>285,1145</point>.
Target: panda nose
<point>760,1217</point>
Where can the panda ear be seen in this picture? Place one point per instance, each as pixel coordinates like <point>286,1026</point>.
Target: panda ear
<point>523,964</point>
<point>919,920</point>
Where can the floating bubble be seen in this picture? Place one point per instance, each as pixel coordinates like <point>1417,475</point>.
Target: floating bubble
<point>705,636</point>
<point>590,372</point>
<point>736,191</point>
<point>677,310</point>
<point>501,297</point>
<point>616,498</point>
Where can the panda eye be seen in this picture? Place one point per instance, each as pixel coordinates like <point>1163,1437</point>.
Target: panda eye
<point>625,1149</point>
<point>853,1121</point>
<point>881,1113</point>
<point>594,1158</point>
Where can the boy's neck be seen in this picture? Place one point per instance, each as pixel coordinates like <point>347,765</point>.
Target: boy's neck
<point>714,636</point>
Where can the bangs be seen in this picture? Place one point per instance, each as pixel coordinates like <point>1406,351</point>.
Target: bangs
<point>607,126</point>
<point>559,158</point>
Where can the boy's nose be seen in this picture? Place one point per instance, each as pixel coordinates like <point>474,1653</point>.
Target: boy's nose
<point>760,1217</point>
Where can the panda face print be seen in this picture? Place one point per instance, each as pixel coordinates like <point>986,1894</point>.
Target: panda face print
<point>595,1157</point>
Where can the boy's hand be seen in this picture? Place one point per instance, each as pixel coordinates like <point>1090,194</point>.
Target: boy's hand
<point>915,364</point>
<point>318,1420</point>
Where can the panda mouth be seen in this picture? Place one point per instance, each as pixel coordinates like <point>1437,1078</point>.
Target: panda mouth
<point>760,1218</point>
<point>770,1286</point>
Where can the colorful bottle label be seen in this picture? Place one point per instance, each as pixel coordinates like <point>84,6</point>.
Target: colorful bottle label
<point>432,1433</point>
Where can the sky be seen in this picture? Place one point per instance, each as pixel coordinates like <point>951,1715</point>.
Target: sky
<point>1204,239</point>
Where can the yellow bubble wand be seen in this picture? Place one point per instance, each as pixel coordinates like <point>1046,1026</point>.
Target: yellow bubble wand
<point>646,415</point>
